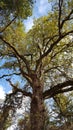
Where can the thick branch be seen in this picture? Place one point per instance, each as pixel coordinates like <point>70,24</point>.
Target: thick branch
<point>58,88</point>
<point>16,89</point>
<point>24,74</point>
<point>64,90</point>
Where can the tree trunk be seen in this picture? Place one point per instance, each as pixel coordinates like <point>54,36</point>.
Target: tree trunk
<point>37,106</point>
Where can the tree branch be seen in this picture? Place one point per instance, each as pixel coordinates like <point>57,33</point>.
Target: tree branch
<point>16,53</point>
<point>48,41</point>
<point>66,19</point>
<point>64,48</point>
<point>8,25</point>
<point>51,47</point>
<point>16,89</point>
<point>49,69</point>
<point>24,74</point>
<point>64,90</point>
<point>59,88</point>
<point>60,13</point>
<point>6,75</point>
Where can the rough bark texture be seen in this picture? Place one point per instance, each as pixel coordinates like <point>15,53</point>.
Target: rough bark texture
<point>37,106</point>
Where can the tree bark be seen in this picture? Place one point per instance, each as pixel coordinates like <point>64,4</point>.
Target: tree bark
<point>37,106</point>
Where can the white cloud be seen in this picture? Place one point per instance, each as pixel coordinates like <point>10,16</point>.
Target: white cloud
<point>2,93</point>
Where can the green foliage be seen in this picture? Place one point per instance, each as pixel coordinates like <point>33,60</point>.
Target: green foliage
<point>43,56</point>
<point>15,35</point>
<point>37,41</point>
<point>63,108</point>
<point>18,8</point>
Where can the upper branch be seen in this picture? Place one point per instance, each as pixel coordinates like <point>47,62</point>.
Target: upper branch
<point>17,54</point>
<point>66,18</point>
<point>60,21</point>
<point>8,25</point>
<point>52,46</point>
<point>60,13</point>
<point>59,88</point>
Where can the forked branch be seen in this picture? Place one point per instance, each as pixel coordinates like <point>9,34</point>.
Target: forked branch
<point>16,89</point>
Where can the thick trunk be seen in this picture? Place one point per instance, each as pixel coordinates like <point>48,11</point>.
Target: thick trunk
<point>37,114</point>
<point>37,107</point>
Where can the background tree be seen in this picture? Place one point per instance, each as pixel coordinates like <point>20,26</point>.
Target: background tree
<point>13,10</point>
<point>63,109</point>
<point>44,63</point>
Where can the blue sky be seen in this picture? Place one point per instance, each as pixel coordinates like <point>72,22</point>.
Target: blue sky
<point>41,8</point>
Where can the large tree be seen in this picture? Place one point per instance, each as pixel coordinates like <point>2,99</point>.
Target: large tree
<point>43,57</point>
